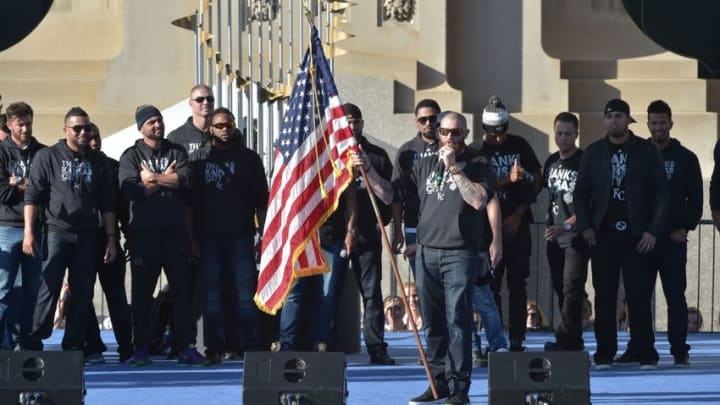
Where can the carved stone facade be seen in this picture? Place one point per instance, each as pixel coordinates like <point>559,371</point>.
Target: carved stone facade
<point>399,10</point>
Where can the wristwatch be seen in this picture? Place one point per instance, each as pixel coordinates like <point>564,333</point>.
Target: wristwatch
<point>453,169</point>
<point>567,227</point>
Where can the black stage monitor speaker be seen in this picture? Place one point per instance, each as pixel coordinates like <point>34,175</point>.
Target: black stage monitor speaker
<point>42,378</point>
<point>539,378</point>
<point>294,378</point>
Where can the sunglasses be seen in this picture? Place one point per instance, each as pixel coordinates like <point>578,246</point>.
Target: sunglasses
<point>200,100</point>
<point>224,125</point>
<point>79,128</point>
<point>425,120</point>
<point>452,131</point>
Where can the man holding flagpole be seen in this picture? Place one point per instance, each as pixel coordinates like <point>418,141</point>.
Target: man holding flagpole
<point>311,171</point>
<point>454,189</point>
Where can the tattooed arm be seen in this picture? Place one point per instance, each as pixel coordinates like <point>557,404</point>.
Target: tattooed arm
<point>473,193</point>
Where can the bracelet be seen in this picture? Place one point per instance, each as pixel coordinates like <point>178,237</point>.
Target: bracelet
<point>352,232</point>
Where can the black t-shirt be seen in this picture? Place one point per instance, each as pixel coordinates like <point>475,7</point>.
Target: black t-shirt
<point>560,176</point>
<point>616,217</point>
<point>409,153</point>
<point>502,157</point>
<point>446,220</point>
<point>368,237</point>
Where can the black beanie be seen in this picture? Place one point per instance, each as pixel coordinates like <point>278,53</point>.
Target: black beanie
<point>144,113</point>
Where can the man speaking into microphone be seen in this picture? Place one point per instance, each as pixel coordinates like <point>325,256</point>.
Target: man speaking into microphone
<point>454,188</point>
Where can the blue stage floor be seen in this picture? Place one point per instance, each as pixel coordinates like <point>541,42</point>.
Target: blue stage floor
<point>163,382</point>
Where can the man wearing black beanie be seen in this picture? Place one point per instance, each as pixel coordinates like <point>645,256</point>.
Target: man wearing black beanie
<point>154,176</point>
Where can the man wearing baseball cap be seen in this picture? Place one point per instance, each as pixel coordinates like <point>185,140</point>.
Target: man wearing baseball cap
<point>621,205</point>
<point>519,180</point>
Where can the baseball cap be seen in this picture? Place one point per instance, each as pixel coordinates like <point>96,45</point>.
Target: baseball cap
<point>617,105</point>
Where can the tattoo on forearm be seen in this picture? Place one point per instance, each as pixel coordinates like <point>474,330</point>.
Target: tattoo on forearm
<point>466,188</point>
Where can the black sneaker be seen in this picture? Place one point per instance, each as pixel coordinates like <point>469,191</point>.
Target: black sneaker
<point>628,359</point>
<point>603,363</point>
<point>382,357</point>
<point>457,398</point>
<point>551,347</point>
<point>480,359</point>
<point>516,346</point>
<point>681,360</point>
<point>427,396</point>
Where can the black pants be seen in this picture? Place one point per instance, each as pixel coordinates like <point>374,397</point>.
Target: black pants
<point>368,275</point>
<point>670,261</point>
<point>614,254</point>
<point>149,253</point>
<point>75,252</point>
<point>515,266</point>
<point>568,270</point>
<point>112,280</point>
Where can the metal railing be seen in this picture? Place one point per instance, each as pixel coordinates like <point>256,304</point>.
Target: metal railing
<point>701,288</point>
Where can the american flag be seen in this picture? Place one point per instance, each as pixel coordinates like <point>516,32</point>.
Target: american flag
<point>310,173</point>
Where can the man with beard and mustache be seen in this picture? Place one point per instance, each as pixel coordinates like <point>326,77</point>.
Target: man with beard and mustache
<point>454,189</point>
<point>621,205</point>
<point>406,204</point>
<point>154,177</point>
<point>19,273</point>
<point>70,183</point>
<point>229,190</point>
<point>685,209</point>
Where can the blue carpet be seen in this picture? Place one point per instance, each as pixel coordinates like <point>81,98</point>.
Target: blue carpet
<point>162,382</point>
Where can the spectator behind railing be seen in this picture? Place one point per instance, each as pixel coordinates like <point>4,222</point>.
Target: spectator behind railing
<point>695,319</point>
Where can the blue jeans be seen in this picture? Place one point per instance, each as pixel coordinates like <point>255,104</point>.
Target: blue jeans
<point>484,303</point>
<point>16,306</point>
<point>229,261</point>
<point>305,293</point>
<point>332,284</point>
<point>445,281</point>
<point>318,292</point>
<point>410,238</point>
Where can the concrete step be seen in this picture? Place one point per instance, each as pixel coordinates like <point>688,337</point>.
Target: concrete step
<point>52,70</point>
<point>590,95</point>
<point>641,68</point>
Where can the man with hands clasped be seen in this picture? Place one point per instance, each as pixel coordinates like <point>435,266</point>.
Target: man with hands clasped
<point>621,204</point>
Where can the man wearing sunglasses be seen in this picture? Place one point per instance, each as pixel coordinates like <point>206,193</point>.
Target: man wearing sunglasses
<point>454,189</point>
<point>518,182</point>
<point>69,188</point>
<point>17,154</point>
<point>229,190</point>
<point>406,203</point>
<point>154,177</point>
<point>193,133</point>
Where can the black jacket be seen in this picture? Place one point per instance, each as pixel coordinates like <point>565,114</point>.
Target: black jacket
<point>16,162</point>
<point>686,186</point>
<point>715,180</point>
<point>188,136</point>
<point>75,188</point>
<point>165,209</point>
<point>646,187</point>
